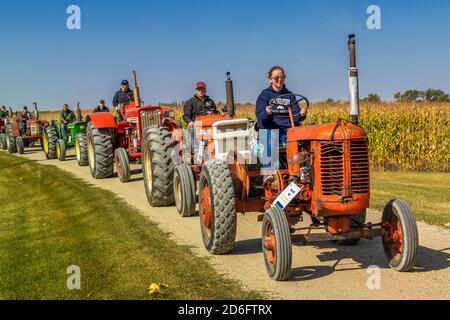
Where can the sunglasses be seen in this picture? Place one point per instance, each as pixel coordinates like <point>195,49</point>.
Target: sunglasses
<point>278,78</point>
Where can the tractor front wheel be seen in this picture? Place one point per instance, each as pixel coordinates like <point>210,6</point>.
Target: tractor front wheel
<point>122,164</point>
<point>81,150</point>
<point>401,237</point>
<point>20,145</point>
<point>10,141</point>
<point>3,143</point>
<point>217,210</point>
<point>100,152</point>
<point>184,190</point>
<point>158,166</point>
<point>61,150</point>
<point>276,244</point>
<point>49,141</point>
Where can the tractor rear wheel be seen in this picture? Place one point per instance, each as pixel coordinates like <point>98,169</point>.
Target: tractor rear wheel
<point>10,140</point>
<point>122,164</point>
<point>3,143</point>
<point>401,237</point>
<point>49,140</point>
<point>100,152</point>
<point>81,150</point>
<point>20,145</point>
<point>158,166</point>
<point>184,190</point>
<point>276,244</point>
<point>61,150</point>
<point>218,221</point>
<point>355,222</point>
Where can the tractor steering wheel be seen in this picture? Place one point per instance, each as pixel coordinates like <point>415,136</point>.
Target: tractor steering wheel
<point>298,98</point>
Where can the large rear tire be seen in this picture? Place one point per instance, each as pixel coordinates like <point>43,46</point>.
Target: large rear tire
<point>217,208</point>
<point>158,166</point>
<point>184,190</point>
<point>81,150</point>
<point>49,141</point>
<point>401,238</point>
<point>276,244</point>
<point>10,140</point>
<point>61,150</point>
<point>100,152</point>
<point>122,164</point>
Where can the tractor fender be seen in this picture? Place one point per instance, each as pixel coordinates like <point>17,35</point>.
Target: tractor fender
<point>102,120</point>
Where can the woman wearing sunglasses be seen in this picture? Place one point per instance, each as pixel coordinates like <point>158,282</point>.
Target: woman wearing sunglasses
<point>273,113</point>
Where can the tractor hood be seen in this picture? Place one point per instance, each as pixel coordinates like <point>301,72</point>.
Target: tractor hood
<point>337,130</point>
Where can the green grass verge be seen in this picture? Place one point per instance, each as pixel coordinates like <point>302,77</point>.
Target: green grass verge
<point>50,220</point>
<point>428,193</point>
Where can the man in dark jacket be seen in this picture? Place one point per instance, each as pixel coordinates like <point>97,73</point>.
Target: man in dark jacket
<point>199,104</point>
<point>3,112</point>
<point>124,95</point>
<point>65,117</point>
<point>101,107</point>
<point>25,115</point>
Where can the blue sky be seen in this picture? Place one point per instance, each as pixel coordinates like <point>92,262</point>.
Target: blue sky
<point>172,44</point>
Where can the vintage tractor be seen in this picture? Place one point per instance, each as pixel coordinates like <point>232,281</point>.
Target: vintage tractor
<point>169,162</point>
<point>3,138</point>
<point>55,146</point>
<point>324,173</point>
<point>17,139</point>
<point>118,139</point>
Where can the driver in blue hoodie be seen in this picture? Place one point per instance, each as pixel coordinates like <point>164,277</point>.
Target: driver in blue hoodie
<point>275,116</point>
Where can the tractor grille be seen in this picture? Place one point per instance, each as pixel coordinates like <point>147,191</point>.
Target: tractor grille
<point>151,117</point>
<point>332,168</point>
<point>360,166</point>
<point>34,129</point>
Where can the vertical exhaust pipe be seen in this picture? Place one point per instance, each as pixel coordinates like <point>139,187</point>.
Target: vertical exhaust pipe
<point>79,116</point>
<point>230,96</point>
<point>36,112</point>
<point>10,112</point>
<point>353,81</point>
<point>136,92</point>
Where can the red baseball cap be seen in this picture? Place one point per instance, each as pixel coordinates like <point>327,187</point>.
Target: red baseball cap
<point>200,85</point>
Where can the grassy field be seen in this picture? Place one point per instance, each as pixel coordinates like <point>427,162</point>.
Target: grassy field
<point>428,193</point>
<point>50,220</point>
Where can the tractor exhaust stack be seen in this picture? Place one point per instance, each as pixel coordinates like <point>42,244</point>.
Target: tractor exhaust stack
<point>136,92</point>
<point>79,116</point>
<point>230,96</point>
<point>10,112</point>
<point>36,112</point>
<point>353,80</point>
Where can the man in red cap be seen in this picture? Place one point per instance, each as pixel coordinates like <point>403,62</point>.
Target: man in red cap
<point>199,104</point>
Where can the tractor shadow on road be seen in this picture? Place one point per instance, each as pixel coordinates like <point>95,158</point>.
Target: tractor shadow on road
<point>366,253</point>
<point>133,173</point>
<point>248,246</point>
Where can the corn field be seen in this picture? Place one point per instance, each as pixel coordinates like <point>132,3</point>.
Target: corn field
<point>407,136</point>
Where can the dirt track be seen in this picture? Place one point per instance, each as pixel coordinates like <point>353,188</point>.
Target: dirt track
<point>320,271</point>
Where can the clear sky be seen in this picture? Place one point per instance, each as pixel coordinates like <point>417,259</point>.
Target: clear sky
<point>172,44</point>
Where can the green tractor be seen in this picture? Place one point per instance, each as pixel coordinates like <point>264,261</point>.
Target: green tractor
<point>55,146</point>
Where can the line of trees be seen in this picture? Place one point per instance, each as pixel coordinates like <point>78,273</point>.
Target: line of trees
<point>429,95</point>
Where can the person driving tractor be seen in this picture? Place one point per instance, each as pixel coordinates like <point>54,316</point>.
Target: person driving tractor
<point>66,116</point>
<point>25,115</point>
<point>272,113</point>
<point>101,107</point>
<point>3,112</point>
<point>123,96</point>
<point>199,104</point>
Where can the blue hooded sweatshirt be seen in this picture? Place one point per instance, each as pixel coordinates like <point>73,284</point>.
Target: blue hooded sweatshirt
<point>279,119</point>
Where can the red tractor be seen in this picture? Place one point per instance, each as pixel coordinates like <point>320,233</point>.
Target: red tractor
<point>324,175</point>
<point>21,133</point>
<point>118,139</point>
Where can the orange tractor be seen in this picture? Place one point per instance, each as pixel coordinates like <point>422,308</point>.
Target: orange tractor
<point>324,174</point>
